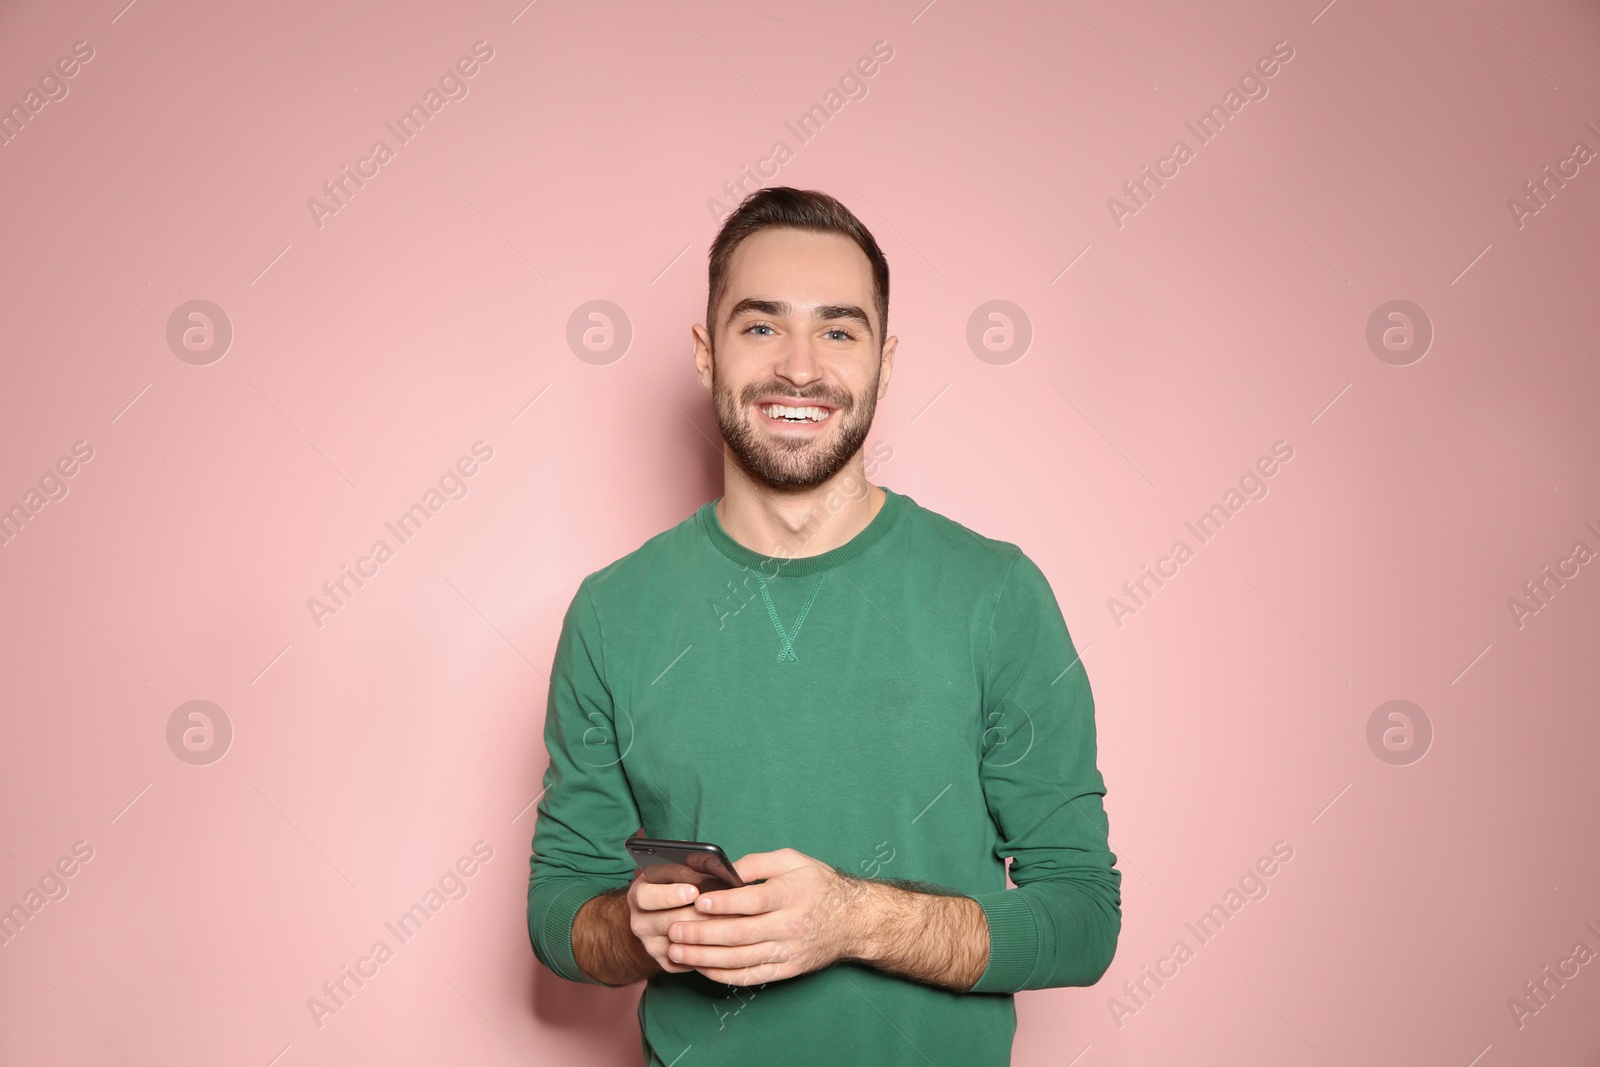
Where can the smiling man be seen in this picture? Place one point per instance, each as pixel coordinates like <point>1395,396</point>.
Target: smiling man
<point>891,707</point>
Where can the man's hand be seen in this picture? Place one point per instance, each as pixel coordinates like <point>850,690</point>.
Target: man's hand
<point>803,917</point>
<point>653,907</point>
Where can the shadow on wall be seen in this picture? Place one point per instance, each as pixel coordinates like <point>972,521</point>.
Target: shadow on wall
<point>703,480</point>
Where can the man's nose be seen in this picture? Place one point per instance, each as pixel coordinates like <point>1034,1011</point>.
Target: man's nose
<point>798,362</point>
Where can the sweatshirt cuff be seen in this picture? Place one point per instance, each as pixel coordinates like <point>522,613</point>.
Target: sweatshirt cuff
<point>1013,942</point>
<point>553,931</point>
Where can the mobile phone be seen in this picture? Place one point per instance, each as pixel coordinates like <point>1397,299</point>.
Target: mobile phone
<point>698,863</point>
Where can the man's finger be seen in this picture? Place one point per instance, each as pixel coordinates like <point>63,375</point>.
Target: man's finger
<point>756,866</point>
<point>655,896</point>
<point>739,931</point>
<point>746,900</point>
<point>762,957</point>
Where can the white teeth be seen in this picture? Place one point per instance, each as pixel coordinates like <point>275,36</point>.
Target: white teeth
<point>779,411</point>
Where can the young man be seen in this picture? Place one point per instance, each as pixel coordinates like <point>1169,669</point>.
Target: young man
<point>865,703</point>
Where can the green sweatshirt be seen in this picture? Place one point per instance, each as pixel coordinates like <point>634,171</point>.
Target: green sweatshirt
<point>907,705</point>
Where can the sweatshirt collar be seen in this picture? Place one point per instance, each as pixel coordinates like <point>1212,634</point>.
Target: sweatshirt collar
<point>777,566</point>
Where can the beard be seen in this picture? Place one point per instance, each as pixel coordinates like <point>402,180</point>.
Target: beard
<point>790,465</point>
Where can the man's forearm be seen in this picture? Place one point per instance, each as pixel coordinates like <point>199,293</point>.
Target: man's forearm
<point>603,943</point>
<point>938,939</point>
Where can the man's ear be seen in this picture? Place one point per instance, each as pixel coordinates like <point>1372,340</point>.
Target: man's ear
<point>702,354</point>
<point>886,365</point>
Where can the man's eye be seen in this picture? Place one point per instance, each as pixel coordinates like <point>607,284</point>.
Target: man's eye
<point>838,333</point>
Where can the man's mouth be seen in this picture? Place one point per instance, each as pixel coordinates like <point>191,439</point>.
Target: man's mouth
<point>796,415</point>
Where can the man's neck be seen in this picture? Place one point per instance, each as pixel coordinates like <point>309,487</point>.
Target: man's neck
<point>794,525</point>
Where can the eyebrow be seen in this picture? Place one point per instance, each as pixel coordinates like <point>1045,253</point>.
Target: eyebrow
<point>781,308</point>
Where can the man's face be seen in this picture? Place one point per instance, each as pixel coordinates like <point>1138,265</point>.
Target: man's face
<point>797,327</point>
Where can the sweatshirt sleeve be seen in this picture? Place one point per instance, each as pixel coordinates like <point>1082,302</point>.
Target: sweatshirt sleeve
<point>586,809</point>
<point>1059,926</point>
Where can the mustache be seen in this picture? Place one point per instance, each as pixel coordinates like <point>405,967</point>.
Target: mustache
<point>843,403</point>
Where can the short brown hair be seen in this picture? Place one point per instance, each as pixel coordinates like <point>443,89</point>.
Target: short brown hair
<point>795,209</point>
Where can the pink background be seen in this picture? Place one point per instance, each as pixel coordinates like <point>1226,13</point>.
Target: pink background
<point>1230,312</point>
